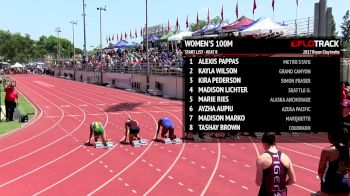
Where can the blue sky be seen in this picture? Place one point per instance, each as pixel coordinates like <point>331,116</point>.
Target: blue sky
<point>41,17</point>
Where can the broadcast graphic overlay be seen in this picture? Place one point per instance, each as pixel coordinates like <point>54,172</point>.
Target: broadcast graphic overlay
<point>258,85</point>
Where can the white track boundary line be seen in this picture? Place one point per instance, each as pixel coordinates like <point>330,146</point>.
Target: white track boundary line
<point>214,170</point>
<point>32,171</point>
<point>299,152</point>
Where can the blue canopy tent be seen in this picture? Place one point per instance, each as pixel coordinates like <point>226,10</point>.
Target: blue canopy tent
<point>200,32</point>
<point>120,44</point>
<point>132,45</point>
<point>153,38</point>
<point>215,30</point>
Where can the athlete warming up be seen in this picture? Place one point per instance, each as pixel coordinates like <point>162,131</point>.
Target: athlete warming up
<point>167,126</point>
<point>273,167</point>
<point>96,129</point>
<point>132,127</point>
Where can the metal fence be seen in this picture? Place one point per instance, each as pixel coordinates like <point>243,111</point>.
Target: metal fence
<point>299,27</point>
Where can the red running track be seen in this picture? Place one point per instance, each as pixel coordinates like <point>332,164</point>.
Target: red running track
<point>48,155</point>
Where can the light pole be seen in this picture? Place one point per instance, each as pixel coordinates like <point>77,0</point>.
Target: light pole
<point>147,60</point>
<point>101,9</point>
<point>73,23</point>
<point>84,5</point>
<point>58,30</point>
<point>74,67</point>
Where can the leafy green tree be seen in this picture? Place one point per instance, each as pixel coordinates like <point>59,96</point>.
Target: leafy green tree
<point>345,27</point>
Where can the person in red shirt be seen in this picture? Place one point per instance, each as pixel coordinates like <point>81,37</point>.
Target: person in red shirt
<point>11,100</point>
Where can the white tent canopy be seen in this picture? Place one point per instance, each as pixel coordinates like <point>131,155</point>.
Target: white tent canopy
<point>180,36</point>
<point>262,25</point>
<point>17,65</point>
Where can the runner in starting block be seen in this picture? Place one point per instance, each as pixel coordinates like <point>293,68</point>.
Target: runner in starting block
<point>97,129</point>
<point>167,126</point>
<point>132,127</point>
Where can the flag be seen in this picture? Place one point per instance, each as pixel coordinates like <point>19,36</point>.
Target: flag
<point>177,23</point>
<point>254,6</point>
<point>197,19</point>
<point>135,33</point>
<point>297,3</point>
<point>106,38</point>
<point>109,38</point>
<point>125,35</point>
<point>130,34</point>
<point>162,29</point>
<point>117,36</point>
<point>208,17</point>
<point>222,12</point>
<point>113,38</point>
<point>141,32</point>
<point>273,5</point>
<point>168,25</point>
<point>121,35</point>
<point>237,9</point>
<point>187,21</point>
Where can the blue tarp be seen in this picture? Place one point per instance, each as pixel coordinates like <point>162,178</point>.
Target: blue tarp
<point>120,44</point>
<point>153,38</point>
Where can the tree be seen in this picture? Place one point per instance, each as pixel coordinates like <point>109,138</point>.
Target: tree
<point>346,47</point>
<point>334,29</point>
<point>345,27</point>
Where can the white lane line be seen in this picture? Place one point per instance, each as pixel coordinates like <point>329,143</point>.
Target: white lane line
<point>202,167</point>
<point>232,181</point>
<point>184,158</point>
<point>246,188</point>
<point>111,171</point>
<point>143,160</point>
<point>300,153</point>
<point>134,191</point>
<point>214,170</point>
<point>212,152</point>
<point>193,162</point>
<point>170,151</point>
<point>221,176</point>
<point>190,190</point>
<point>242,148</point>
<point>170,177</point>
<point>120,179</point>
<point>204,148</point>
<point>235,161</point>
<point>101,162</point>
<point>105,166</point>
<point>151,165</point>
<point>126,184</point>
<point>92,154</point>
<point>223,156</point>
<point>158,170</point>
<point>180,183</point>
<point>247,165</point>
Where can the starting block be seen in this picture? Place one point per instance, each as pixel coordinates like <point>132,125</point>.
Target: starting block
<point>98,145</point>
<point>196,138</point>
<point>166,140</point>
<point>143,142</point>
<point>109,145</point>
<point>206,138</point>
<point>136,143</point>
<point>177,141</point>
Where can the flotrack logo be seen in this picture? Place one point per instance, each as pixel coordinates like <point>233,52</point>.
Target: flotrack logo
<point>315,43</point>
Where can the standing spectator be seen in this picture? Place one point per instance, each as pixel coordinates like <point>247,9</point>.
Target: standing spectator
<point>334,165</point>
<point>11,100</point>
<point>272,169</point>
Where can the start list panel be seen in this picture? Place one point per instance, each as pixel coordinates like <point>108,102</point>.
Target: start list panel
<point>257,85</point>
